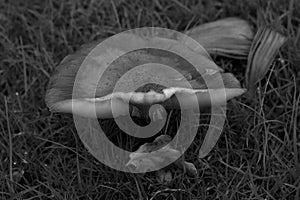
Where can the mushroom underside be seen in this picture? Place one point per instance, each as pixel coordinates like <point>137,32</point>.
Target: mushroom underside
<point>119,103</point>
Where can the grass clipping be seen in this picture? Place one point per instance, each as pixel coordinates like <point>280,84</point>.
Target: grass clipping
<point>264,48</point>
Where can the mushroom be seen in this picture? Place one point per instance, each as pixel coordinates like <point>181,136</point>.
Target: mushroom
<point>90,83</point>
<point>93,98</point>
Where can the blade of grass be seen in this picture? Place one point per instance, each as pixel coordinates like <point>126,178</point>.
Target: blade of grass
<point>24,67</point>
<point>10,148</point>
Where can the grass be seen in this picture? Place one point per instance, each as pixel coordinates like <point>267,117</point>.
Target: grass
<point>42,156</point>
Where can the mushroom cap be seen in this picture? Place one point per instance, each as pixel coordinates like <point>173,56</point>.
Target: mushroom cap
<point>75,86</point>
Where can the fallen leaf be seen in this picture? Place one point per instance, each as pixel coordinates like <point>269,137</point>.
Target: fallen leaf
<point>264,48</point>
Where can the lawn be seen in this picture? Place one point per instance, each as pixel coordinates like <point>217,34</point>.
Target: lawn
<point>41,155</point>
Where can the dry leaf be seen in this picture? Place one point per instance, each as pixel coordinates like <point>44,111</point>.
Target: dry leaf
<point>263,50</point>
<point>151,156</point>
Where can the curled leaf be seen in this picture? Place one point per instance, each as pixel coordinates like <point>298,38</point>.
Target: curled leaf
<point>263,50</point>
<point>153,156</point>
